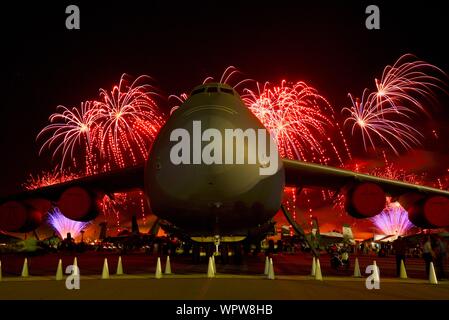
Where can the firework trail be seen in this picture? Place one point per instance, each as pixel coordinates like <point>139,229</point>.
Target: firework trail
<point>63,225</point>
<point>402,93</point>
<point>178,101</point>
<point>228,77</point>
<point>393,220</point>
<point>111,205</point>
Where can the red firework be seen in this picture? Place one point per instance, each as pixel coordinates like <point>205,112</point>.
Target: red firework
<point>128,120</point>
<point>115,131</point>
<point>71,130</point>
<point>298,117</point>
<point>45,179</point>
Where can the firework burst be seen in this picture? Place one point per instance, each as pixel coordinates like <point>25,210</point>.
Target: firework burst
<point>386,123</point>
<point>63,225</point>
<point>177,101</point>
<point>393,220</point>
<point>402,92</point>
<point>71,130</point>
<point>295,114</point>
<point>409,82</point>
<point>229,76</point>
<point>115,131</point>
<point>128,120</point>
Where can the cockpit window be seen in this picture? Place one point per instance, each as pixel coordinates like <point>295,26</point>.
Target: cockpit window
<point>199,90</point>
<point>228,91</point>
<point>212,89</point>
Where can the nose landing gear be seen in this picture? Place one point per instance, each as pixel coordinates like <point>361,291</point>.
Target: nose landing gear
<point>217,243</point>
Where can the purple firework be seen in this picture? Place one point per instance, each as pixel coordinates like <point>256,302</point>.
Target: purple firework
<point>393,220</point>
<point>63,225</point>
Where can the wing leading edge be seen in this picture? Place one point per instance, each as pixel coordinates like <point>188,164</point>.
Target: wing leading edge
<point>24,211</point>
<point>109,182</point>
<point>365,194</point>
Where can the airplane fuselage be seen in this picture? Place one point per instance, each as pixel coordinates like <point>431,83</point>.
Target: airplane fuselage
<point>208,186</point>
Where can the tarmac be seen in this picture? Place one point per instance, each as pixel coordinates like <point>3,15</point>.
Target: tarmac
<point>222,287</point>
<point>232,282</point>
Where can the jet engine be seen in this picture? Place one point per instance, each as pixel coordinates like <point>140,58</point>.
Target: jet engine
<point>78,204</point>
<point>364,200</point>
<point>23,216</point>
<point>430,212</point>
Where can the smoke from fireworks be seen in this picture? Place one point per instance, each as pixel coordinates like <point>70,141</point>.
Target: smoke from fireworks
<point>63,225</point>
<point>402,92</point>
<point>393,220</point>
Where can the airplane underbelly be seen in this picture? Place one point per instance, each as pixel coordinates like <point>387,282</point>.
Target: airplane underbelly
<point>224,212</point>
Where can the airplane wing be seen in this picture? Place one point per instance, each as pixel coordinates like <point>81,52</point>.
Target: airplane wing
<point>21,212</point>
<point>365,194</point>
<point>114,181</point>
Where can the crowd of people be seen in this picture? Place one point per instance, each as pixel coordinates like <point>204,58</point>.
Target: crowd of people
<point>431,248</point>
<point>434,250</point>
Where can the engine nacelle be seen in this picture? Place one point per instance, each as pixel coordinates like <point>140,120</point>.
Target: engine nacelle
<point>23,216</point>
<point>430,212</point>
<point>365,200</point>
<point>78,204</point>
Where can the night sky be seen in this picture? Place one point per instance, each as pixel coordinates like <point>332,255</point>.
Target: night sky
<point>325,44</point>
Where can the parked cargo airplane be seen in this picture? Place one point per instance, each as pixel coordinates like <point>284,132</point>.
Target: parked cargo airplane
<point>220,199</point>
